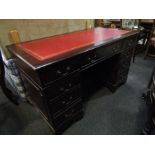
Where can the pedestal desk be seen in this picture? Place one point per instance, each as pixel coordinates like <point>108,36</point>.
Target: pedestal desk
<point>59,72</point>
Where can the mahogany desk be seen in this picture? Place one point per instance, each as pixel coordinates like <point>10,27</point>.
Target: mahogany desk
<point>59,71</point>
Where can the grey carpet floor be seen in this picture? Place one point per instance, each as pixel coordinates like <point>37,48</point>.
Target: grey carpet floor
<point>119,113</point>
<point>20,120</point>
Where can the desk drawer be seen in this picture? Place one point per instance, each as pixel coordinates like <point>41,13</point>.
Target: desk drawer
<point>122,46</point>
<point>58,70</point>
<point>68,114</point>
<point>60,128</point>
<point>61,86</point>
<point>101,53</point>
<point>65,100</point>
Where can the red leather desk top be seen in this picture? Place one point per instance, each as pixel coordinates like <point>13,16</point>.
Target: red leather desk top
<point>55,46</point>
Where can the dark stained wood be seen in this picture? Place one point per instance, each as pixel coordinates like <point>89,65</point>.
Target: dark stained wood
<point>56,85</point>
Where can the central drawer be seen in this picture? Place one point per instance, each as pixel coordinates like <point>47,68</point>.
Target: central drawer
<point>109,50</point>
<point>101,53</point>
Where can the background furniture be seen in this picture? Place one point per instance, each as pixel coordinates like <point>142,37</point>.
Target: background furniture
<point>115,23</point>
<point>150,48</point>
<point>108,23</point>
<point>11,82</point>
<point>145,28</point>
<point>98,22</point>
<point>142,40</point>
<point>149,98</point>
<point>7,88</point>
<point>128,24</point>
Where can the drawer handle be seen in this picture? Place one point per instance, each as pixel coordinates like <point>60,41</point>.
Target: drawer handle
<point>61,89</point>
<point>95,55</point>
<point>59,72</point>
<point>64,90</point>
<point>89,58</point>
<point>92,61</point>
<point>63,102</point>
<point>70,97</point>
<point>114,49</point>
<point>68,68</point>
<point>70,85</point>
<point>69,115</point>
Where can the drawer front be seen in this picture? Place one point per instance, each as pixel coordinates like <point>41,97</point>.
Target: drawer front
<point>58,70</point>
<point>87,58</point>
<point>102,52</point>
<point>68,114</point>
<point>65,100</point>
<point>60,128</point>
<point>61,86</point>
<point>105,52</point>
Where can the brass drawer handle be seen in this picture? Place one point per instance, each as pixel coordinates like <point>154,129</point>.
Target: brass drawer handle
<point>72,110</point>
<point>68,68</point>
<point>89,58</point>
<point>59,72</point>
<point>114,49</point>
<point>61,89</point>
<point>95,55</point>
<point>92,61</point>
<point>63,102</point>
<point>69,115</point>
<point>70,97</point>
<point>70,84</point>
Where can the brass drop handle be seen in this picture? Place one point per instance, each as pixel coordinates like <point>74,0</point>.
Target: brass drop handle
<point>114,49</point>
<point>59,72</point>
<point>69,115</point>
<point>89,58</point>
<point>70,85</point>
<point>92,61</point>
<point>68,68</point>
<point>72,110</point>
<point>63,102</point>
<point>70,97</point>
<point>61,89</point>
